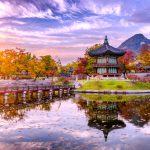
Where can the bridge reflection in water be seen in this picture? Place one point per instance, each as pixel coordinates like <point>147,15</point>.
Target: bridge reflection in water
<point>73,121</point>
<point>17,106</point>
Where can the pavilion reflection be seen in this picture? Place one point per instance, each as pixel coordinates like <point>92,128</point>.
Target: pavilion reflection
<point>102,115</point>
<point>105,115</point>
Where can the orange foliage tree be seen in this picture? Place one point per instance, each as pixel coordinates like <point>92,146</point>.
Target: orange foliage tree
<point>144,56</point>
<point>127,61</point>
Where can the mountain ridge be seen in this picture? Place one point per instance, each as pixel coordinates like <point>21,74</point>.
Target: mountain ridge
<point>135,42</point>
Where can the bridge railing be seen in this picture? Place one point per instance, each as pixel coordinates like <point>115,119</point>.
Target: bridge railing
<point>34,87</point>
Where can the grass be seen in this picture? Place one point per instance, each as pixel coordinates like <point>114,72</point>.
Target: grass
<point>114,85</point>
<point>114,98</point>
<point>83,80</point>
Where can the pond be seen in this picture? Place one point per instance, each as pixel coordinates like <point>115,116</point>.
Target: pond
<point>78,122</point>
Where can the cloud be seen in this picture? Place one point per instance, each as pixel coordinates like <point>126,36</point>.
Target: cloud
<point>67,27</point>
<point>29,10</point>
<point>45,33</point>
<point>142,16</point>
<point>102,7</point>
<point>126,23</point>
<point>62,5</point>
<point>145,29</point>
<point>80,25</point>
<point>8,22</point>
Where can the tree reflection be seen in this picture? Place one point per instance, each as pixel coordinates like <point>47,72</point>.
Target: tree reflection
<point>10,114</point>
<point>16,112</point>
<point>16,107</point>
<point>136,112</point>
<point>104,115</point>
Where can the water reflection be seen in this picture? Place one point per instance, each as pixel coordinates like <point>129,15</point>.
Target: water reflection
<point>16,108</point>
<point>136,112</point>
<point>103,116</point>
<point>136,109</point>
<point>76,122</point>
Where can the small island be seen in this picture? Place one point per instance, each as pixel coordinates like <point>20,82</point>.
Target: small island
<point>110,73</point>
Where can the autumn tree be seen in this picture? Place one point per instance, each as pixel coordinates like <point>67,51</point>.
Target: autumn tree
<point>17,63</point>
<point>13,62</point>
<point>36,67</point>
<point>144,56</point>
<point>50,65</point>
<point>7,61</point>
<point>81,66</point>
<point>71,67</point>
<point>95,46</point>
<point>127,61</point>
<point>22,62</point>
<point>85,64</point>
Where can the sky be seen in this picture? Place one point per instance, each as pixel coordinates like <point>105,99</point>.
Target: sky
<point>65,28</point>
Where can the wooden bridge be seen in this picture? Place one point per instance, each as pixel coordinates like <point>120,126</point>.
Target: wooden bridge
<point>40,90</point>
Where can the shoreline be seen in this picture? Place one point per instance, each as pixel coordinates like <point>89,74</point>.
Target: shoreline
<point>113,91</point>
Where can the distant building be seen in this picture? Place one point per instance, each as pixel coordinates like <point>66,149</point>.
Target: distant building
<point>106,59</point>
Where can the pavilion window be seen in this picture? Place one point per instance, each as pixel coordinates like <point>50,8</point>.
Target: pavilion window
<point>112,70</point>
<point>101,70</point>
<point>101,60</point>
<point>112,60</point>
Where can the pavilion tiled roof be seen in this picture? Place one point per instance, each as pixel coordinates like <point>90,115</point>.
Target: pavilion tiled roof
<point>106,49</point>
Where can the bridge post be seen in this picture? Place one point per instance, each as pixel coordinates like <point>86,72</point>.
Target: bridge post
<point>16,97</point>
<point>31,95</point>
<point>60,92</point>
<point>6,98</point>
<point>24,96</point>
<point>54,93</point>
<point>50,93</point>
<point>39,94</point>
<point>68,91</point>
<point>43,93</point>
<point>87,102</point>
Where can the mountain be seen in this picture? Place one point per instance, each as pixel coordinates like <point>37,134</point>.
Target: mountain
<point>135,42</point>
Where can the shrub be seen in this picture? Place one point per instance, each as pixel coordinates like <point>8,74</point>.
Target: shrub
<point>137,78</point>
<point>63,80</point>
<point>119,87</point>
<point>66,81</point>
<point>111,83</point>
<point>25,77</point>
<point>119,97</point>
<point>99,85</point>
<point>145,79</point>
<point>133,77</point>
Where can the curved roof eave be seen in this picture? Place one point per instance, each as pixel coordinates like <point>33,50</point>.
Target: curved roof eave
<point>106,49</point>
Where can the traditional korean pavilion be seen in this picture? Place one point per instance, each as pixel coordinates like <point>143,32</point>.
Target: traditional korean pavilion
<point>107,59</point>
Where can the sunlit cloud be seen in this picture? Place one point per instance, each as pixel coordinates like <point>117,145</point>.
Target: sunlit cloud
<point>98,8</point>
